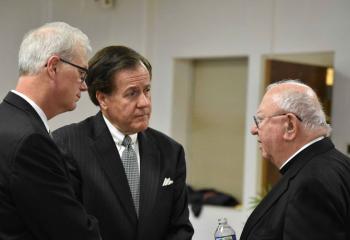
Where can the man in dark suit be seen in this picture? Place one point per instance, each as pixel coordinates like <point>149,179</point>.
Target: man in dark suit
<point>37,200</point>
<point>312,199</point>
<point>136,191</point>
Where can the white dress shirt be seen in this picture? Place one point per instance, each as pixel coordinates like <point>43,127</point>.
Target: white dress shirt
<point>118,138</point>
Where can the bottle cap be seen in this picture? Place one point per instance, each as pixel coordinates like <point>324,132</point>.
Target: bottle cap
<point>222,220</point>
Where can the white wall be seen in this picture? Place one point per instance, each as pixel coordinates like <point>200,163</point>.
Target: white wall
<point>125,24</point>
<point>208,28</point>
<point>168,29</point>
<point>305,26</point>
<point>16,18</point>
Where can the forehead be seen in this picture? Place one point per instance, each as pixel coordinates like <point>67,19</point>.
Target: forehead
<point>268,103</point>
<point>134,76</point>
<point>80,53</point>
<point>274,94</point>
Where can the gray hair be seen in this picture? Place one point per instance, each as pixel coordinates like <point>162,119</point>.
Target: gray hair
<point>304,104</point>
<point>52,38</point>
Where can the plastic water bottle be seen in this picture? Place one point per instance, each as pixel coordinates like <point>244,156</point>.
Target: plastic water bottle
<point>224,231</point>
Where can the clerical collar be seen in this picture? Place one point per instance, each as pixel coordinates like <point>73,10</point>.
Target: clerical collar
<point>286,164</point>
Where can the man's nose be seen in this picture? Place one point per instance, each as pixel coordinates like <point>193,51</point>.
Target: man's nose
<point>144,100</point>
<point>83,87</point>
<point>254,130</point>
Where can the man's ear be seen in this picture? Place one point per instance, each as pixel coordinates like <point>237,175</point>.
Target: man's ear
<point>51,65</point>
<point>102,99</point>
<point>291,128</point>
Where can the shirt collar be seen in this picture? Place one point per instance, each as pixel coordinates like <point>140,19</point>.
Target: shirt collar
<point>39,111</point>
<point>301,149</point>
<point>117,135</point>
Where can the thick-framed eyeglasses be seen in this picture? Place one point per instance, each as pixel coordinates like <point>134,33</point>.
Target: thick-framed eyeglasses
<point>258,120</point>
<point>82,71</point>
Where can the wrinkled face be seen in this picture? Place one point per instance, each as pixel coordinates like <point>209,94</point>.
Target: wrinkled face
<point>128,107</point>
<point>270,129</point>
<point>69,84</point>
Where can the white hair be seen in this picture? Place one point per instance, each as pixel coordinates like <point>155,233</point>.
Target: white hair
<point>304,104</point>
<point>52,38</point>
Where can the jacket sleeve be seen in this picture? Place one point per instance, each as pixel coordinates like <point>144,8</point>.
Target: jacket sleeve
<point>43,195</point>
<point>75,178</point>
<point>180,226</point>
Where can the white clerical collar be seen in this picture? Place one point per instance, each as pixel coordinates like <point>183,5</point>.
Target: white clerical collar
<point>301,149</point>
<point>39,111</point>
<point>117,135</point>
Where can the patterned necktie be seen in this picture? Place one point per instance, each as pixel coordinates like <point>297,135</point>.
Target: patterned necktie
<point>131,168</point>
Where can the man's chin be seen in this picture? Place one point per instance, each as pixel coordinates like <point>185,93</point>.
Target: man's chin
<point>141,127</point>
<point>72,107</point>
<point>264,154</point>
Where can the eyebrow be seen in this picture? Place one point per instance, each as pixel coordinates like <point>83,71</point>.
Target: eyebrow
<point>135,86</point>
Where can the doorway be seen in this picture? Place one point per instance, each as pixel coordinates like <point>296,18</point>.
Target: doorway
<point>209,108</point>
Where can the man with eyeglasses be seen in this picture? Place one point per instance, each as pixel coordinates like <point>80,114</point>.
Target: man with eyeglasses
<point>37,201</point>
<point>82,70</point>
<point>312,199</point>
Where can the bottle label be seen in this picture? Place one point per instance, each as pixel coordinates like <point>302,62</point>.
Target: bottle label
<point>232,237</point>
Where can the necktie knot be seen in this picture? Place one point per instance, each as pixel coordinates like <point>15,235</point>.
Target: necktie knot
<point>127,141</point>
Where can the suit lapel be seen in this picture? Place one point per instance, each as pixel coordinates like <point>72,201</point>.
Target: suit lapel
<point>150,171</point>
<point>111,163</point>
<point>17,101</point>
<point>265,205</point>
<point>299,161</point>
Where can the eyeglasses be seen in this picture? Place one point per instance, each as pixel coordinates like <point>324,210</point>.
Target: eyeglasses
<point>82,71</point>
<point>258,120</point>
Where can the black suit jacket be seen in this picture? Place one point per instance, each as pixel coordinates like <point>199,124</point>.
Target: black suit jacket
<point>311,201</point>
<point>36,198</point>
<point>103,187</point>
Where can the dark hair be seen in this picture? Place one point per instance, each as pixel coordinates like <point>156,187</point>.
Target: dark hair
<point>106,63</point>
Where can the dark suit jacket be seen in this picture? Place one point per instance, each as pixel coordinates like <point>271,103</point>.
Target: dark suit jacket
<point>36,198</point>
<point>103,187</point>
<point>311,201</point>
